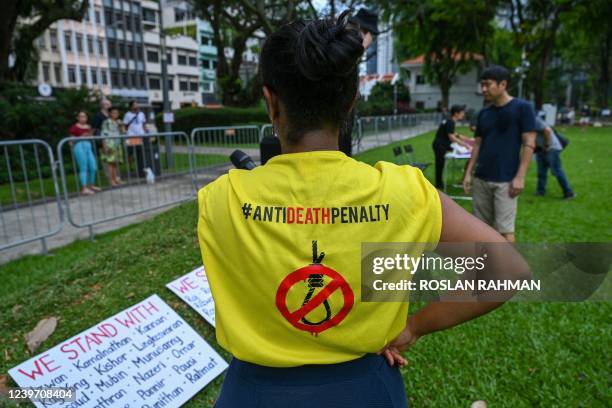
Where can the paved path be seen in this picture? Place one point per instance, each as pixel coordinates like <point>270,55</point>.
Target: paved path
<point>136,199</point>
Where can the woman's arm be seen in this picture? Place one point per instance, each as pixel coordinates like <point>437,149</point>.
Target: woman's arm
<point>460,226</point>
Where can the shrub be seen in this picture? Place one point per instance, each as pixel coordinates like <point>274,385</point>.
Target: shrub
<point>187,119</point>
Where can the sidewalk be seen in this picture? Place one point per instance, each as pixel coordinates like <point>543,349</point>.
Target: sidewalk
<point>130,204</point>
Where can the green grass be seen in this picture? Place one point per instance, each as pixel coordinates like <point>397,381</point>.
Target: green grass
<point>522,355</point>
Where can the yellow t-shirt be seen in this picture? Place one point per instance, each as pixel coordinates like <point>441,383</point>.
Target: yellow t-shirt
<point>276,303</point>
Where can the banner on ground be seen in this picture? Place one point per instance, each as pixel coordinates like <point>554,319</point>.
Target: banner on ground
<point>193,289</point>
<point>144,356</point>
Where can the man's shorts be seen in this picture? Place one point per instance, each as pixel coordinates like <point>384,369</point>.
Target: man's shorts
<point>492,204</point>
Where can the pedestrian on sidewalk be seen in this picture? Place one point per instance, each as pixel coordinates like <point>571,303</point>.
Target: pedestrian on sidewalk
<point>84,155</point>
<point>112,149</point>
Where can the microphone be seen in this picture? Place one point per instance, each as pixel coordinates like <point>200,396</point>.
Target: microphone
<point>241,160</point>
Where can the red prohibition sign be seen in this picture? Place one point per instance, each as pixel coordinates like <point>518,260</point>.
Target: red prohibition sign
<point>337,282</point>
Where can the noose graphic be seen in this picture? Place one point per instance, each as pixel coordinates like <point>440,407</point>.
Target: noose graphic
<point>315,280</point>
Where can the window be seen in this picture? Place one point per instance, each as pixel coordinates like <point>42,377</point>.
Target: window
<point>182,59</point>
<point>108,16</point>
<point>128,23</point>
<point>169,58</point>
<point>134,79</point>
<point>206,40</point>
<point>193,61</point>
<point>193,85</point>
<point>148,15</point>
<point>206,64</point>
<point>130,51</point>
<point>90,45</point>
<point>207,87</point>
<point>57,71</point>
<point>111,49</point>
<point>46,73</point>
<point>154,83</point>
<point>83,75</point>
<point>171,83</point>
<point>103,75</point>
<point>152,56</point>
<point>420,80</point>
<point>183,84</point>
<point>118,20</point>
<point>115,78</point>
<point>136,23</point>
<point>42,43</point>
<point>67,41</point>
<point>94,76</point>
<point>121,50</point>
<point>53,39</point>
<point>98,17</point>
<point>138,51</point>
<point>79,43</point>
<point>71,75</point>
<point>100,47</point>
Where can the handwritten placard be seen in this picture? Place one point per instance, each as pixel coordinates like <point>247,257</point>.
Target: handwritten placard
<point>144,356</point>
<point>194,290</point>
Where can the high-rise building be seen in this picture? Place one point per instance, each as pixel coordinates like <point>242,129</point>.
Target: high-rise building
<point>74,54</point>
<point>181,58</point>
<point>180,18</point>
<point>124,37</point>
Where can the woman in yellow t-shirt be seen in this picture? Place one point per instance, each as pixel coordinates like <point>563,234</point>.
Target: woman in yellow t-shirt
<point>281,243</point>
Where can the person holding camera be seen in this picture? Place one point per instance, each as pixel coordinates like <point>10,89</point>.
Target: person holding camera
<point>281,243</point>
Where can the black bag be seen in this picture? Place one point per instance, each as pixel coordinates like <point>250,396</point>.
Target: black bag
<point>562,139</point>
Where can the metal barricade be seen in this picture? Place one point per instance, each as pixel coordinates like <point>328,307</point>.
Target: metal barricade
<point>108,178</point>
<point>30,208</point>
<point>212,147</point>
<point>266,131</point>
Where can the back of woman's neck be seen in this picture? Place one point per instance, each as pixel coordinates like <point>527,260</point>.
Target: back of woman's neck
<point>311,141</point>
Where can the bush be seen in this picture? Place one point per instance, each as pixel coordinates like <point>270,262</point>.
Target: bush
<point>187,119</point>
<point>25,116</point>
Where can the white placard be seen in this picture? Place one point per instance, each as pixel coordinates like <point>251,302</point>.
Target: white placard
<point>144,356</point>
<point>168,117</point>
<point>194,290</point>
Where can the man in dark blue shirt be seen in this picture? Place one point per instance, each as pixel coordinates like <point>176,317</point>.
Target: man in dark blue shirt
<point>505,126</point>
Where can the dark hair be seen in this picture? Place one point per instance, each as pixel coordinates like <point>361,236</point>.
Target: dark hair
<point>131,104</point>
<point>113,108</point>
<point>81,111</point>
<point>496,73</point>
<point>312,68</point>
<point>457,108</point>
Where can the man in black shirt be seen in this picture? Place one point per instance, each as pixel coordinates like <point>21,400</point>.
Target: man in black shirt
<point>446,135</point>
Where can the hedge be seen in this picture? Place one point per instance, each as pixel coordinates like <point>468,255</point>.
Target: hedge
<point>187,119</point>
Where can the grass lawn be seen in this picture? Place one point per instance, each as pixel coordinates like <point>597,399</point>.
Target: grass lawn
<point>522,355</point>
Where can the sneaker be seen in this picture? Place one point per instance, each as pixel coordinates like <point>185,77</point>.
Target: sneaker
<point>95,189</point>
<point>569,196</point>
<point>87,191</point>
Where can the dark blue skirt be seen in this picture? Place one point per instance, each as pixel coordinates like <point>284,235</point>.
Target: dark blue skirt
<point>368,382</point>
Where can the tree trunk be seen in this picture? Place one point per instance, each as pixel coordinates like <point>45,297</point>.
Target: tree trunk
<point>8,20</point>
<point>445,91</point>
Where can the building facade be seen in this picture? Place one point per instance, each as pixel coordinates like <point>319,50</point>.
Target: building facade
<point>182,63</point>
<point>124,38</point>
<point>424,95</point>
<point>179,18</point>
<point>75,54</point>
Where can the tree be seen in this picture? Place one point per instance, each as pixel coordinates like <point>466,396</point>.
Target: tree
<point>586,36</point>
<point>21,23</point>
<point>535,24</point>
<point>448,34</point>
<point>234,23</point>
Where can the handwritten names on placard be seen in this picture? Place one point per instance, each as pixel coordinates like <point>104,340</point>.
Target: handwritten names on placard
<point>194,290</point>
<point>145,356</point>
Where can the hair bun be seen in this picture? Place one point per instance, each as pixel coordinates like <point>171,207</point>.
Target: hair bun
<point>328,48</point>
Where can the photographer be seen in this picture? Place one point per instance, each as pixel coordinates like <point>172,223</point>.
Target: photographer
<point>283,257</point>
